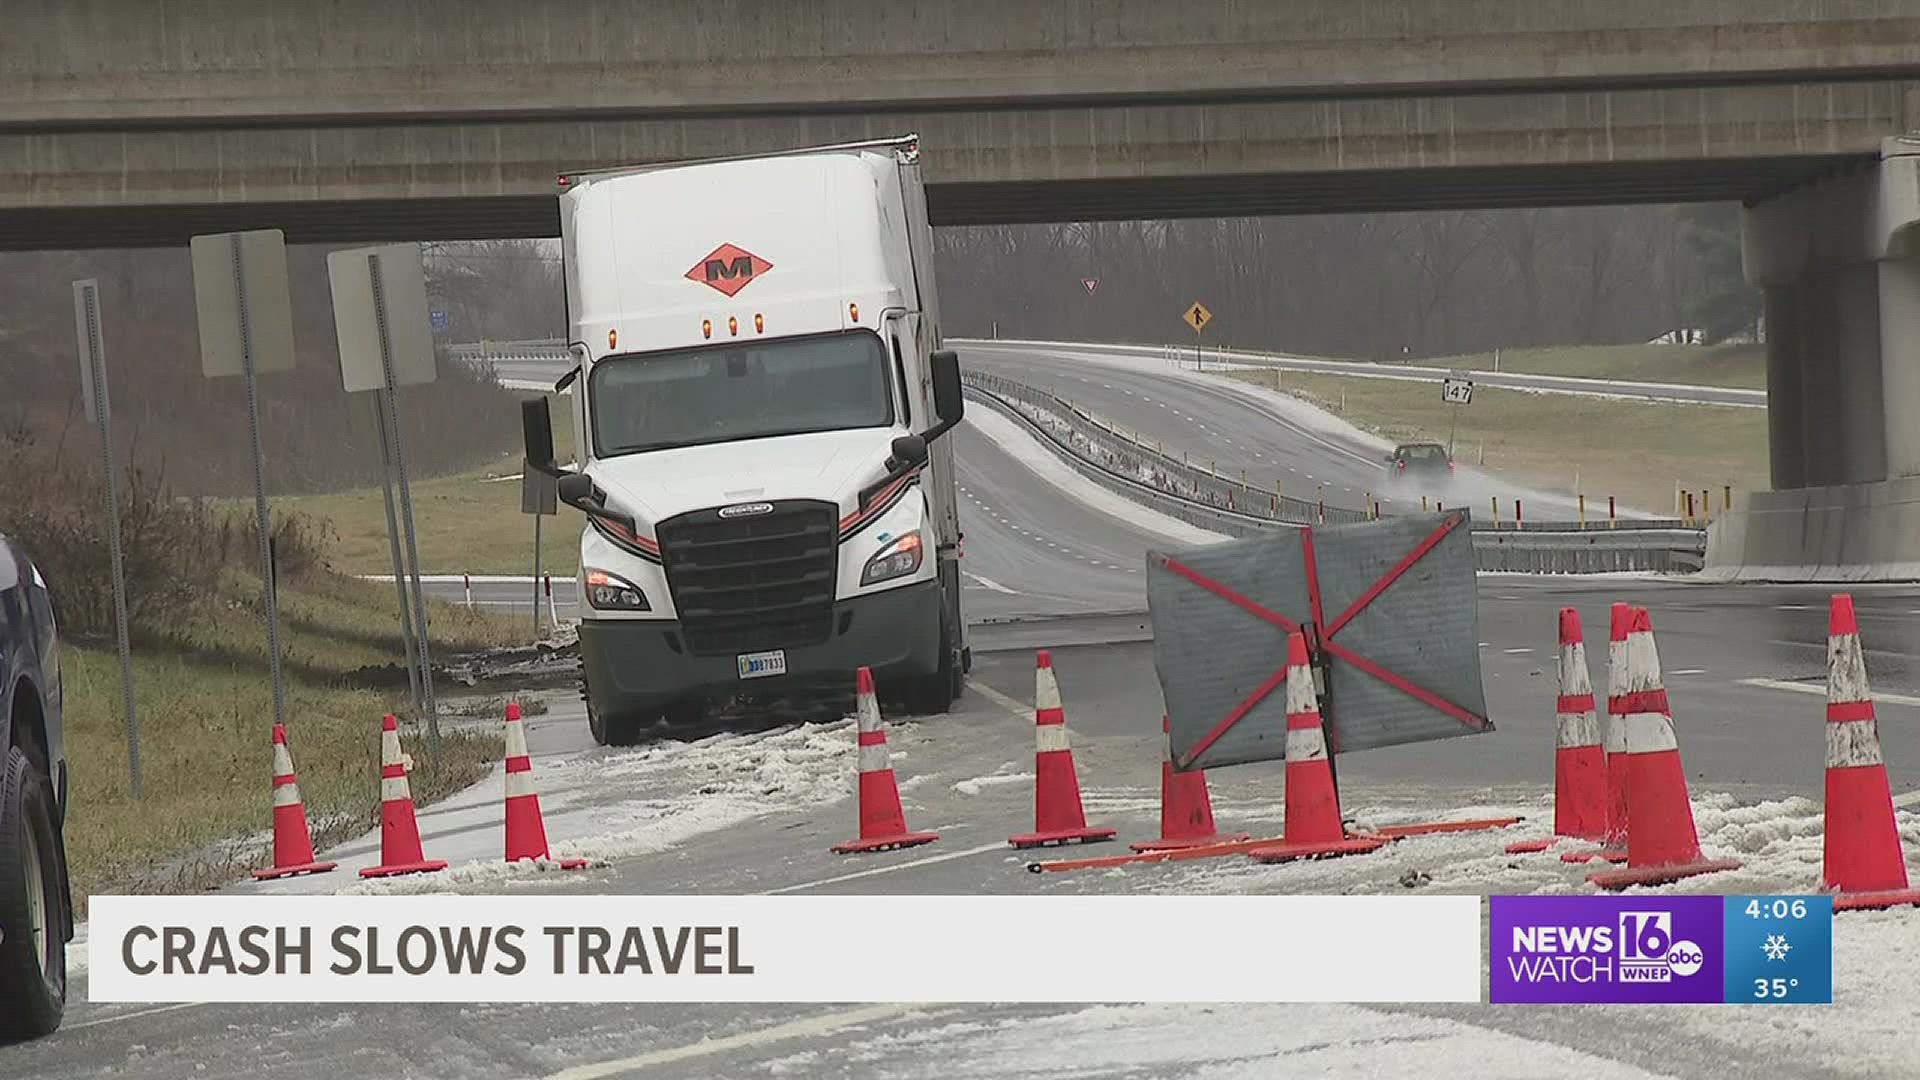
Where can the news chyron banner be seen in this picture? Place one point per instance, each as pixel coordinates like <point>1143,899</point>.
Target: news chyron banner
<point>805,949</point>
<point>1657,949</point>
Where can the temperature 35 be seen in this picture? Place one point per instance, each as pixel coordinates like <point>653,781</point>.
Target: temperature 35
<point>1779,949</point>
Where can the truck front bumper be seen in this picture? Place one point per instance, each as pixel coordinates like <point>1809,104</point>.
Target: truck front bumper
<point>641,667</point>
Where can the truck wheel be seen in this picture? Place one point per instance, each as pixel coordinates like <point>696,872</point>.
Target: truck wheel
<point>933,695</point>
<point>33,950</point>
<point>613,729</point>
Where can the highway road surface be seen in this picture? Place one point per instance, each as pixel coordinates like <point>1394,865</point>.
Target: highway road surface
<point>1051,565</point>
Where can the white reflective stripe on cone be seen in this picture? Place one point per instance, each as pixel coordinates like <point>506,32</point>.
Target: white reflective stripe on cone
<point>1300,691</point>
<point>1616,668</point>
<point>394,787</point>
<point>519,784</point>
<point>873,758</point>
<point>1048,738</point>
<point>1166,744</point>
<point>1573,670</point>
<point>516,740</point>
<point>282,761</point>
<point>286,795</point>
<point>1616,735</point>
<point>868,713</point>
<point>1650,733</point>
<point>1643,662</point>
<point>1306,744</point>
<point>1851,743</point>
<point>1578,729</point>
<point>1846,669</point>
<point>389,748</point>
<point>1046,690</point>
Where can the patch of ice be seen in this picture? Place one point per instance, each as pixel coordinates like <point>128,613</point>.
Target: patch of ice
<point>976,784</point>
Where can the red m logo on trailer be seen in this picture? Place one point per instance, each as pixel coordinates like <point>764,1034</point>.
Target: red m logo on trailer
<point>728,268</point>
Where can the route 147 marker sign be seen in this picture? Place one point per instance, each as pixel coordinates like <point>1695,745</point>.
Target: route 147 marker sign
<point>1457,391</point>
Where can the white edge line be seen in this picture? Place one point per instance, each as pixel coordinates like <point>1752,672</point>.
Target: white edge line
<point>137,1014</point>
<point>823,1024</point>
<point>1814,688</point>
<point>945,856</point>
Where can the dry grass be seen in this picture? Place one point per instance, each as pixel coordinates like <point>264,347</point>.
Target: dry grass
<point>205,709</point>
<point>464,524</point>
<point>1638,453</point>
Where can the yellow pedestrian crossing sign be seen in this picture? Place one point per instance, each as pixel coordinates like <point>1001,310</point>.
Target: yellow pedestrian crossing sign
<point>1198,316</point>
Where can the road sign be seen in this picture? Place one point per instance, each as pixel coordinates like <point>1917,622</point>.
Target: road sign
<point>357,320</point>
<point>1090,284</point>
<point>1457,391</point>
<point>1197,316</point>
<point>242,278</point>
<point>441,322</point>
<point>1388,608</point>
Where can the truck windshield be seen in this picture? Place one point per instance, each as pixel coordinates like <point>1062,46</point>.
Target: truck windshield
<point>656,401</point>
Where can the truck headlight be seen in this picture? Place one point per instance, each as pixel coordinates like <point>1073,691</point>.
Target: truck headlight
<point>611,592</point>
<point>898,559</point>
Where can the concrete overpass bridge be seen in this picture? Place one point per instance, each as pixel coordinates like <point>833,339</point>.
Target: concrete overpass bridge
<point>142,122</point>
<point>130,123</point>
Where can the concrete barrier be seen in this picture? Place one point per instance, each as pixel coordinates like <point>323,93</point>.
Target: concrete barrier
<point>1855,532</point>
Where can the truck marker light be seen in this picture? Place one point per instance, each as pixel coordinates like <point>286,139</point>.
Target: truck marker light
<point>733,326</point>
<point>706,328</point>
<point>853,312</point>
<point>759,323</point>
<point>613,338</point>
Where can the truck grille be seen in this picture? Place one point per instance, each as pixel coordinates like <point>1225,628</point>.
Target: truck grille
<point>762,581</point>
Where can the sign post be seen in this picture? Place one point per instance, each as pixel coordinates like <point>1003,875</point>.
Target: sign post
<point>540,497</point>
<point>1459,392</point>
<point>1197,316</point>
<point>93,387</point>
<point>386,341</point>
<point>246,328</point>
<point>393,549</point>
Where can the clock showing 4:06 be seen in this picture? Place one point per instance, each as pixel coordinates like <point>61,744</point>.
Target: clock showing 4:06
<point>1779,949</point>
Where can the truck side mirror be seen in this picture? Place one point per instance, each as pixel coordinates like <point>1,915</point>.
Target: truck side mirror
<point>908,451</point>
<point>580,492</point>
<point>948,401</point>
<point>536,430</point>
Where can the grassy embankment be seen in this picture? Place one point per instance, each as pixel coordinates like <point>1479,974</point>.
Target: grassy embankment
<point>1639,453</point>
<point>205,708</point>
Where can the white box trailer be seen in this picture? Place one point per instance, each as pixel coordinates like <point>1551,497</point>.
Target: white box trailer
<point>758,405</point>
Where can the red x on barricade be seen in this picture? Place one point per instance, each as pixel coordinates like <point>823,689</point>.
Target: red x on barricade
<point>1322,632</point>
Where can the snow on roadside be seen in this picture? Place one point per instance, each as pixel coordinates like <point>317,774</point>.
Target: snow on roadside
<point>650,800</point>
<point>1026,449</point>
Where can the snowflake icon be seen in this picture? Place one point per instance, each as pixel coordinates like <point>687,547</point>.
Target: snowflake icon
<point>1776,947</point>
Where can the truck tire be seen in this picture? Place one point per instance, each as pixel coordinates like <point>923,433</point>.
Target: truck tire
<point>33,950</point>
<point>934,694</point>
<point>613,729</point>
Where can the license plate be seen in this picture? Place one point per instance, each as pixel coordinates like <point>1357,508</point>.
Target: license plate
<point>759,665</point>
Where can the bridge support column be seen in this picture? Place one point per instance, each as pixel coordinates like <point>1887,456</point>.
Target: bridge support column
<point>1840,263</point>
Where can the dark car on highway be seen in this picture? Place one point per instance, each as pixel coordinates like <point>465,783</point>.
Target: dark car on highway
<point>1426,462</point>
<point>36,902</point>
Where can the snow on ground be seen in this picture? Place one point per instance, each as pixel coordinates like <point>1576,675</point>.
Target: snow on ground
<point>1237,1042</point>
<point>1024,448</point>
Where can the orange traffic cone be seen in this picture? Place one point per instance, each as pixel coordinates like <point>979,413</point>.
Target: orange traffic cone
<point>1313,826</point>
<point>526,829</point>
<point>1058,816</point>
<point>1613,846</point>
<point>292,843</point>
<point>399,833</point>
<point>1186,810</point>
<point>883,824</point>
<point>1663,844</point>
<point>1579,762</point>
<point>1863,862</point>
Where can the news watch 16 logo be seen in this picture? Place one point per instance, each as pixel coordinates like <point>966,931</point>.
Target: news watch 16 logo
<point>1601,949</point>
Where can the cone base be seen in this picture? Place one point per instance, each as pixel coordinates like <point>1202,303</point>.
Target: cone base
<point>1185,842</point>
<point>1659,875</point>
<point>1280,853</point>
<point>396,869</point>
<point>288,871</point>
<point>1429,828</point>
<point>1529,847</point>
<point>1603,854</point>
<point>1061,836</point>
<point>1873,901</point>
<point>544,861</point>
<point>885,843</point>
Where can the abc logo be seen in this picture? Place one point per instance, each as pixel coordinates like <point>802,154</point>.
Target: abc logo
<point>1685,958</point>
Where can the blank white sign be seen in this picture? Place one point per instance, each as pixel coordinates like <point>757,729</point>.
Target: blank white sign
<point>403,282</point>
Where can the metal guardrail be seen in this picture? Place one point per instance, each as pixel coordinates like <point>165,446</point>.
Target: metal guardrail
<point>1203,498</point>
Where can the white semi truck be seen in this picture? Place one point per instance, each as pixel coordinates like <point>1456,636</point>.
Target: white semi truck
<point>758,406</point>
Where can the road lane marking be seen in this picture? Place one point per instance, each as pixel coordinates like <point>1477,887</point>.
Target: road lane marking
<point>135,1015</point>
<point>1911,798</point>
<point>1689,671</point>
<point>809,1027</point>
<point>1817,688</point>
<point>990,584</point>
<point>1012,704</point>
<point>945,856</point>
<point>1516,652</point>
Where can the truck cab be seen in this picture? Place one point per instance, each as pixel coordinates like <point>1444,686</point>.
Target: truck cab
<point>758,405</point>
